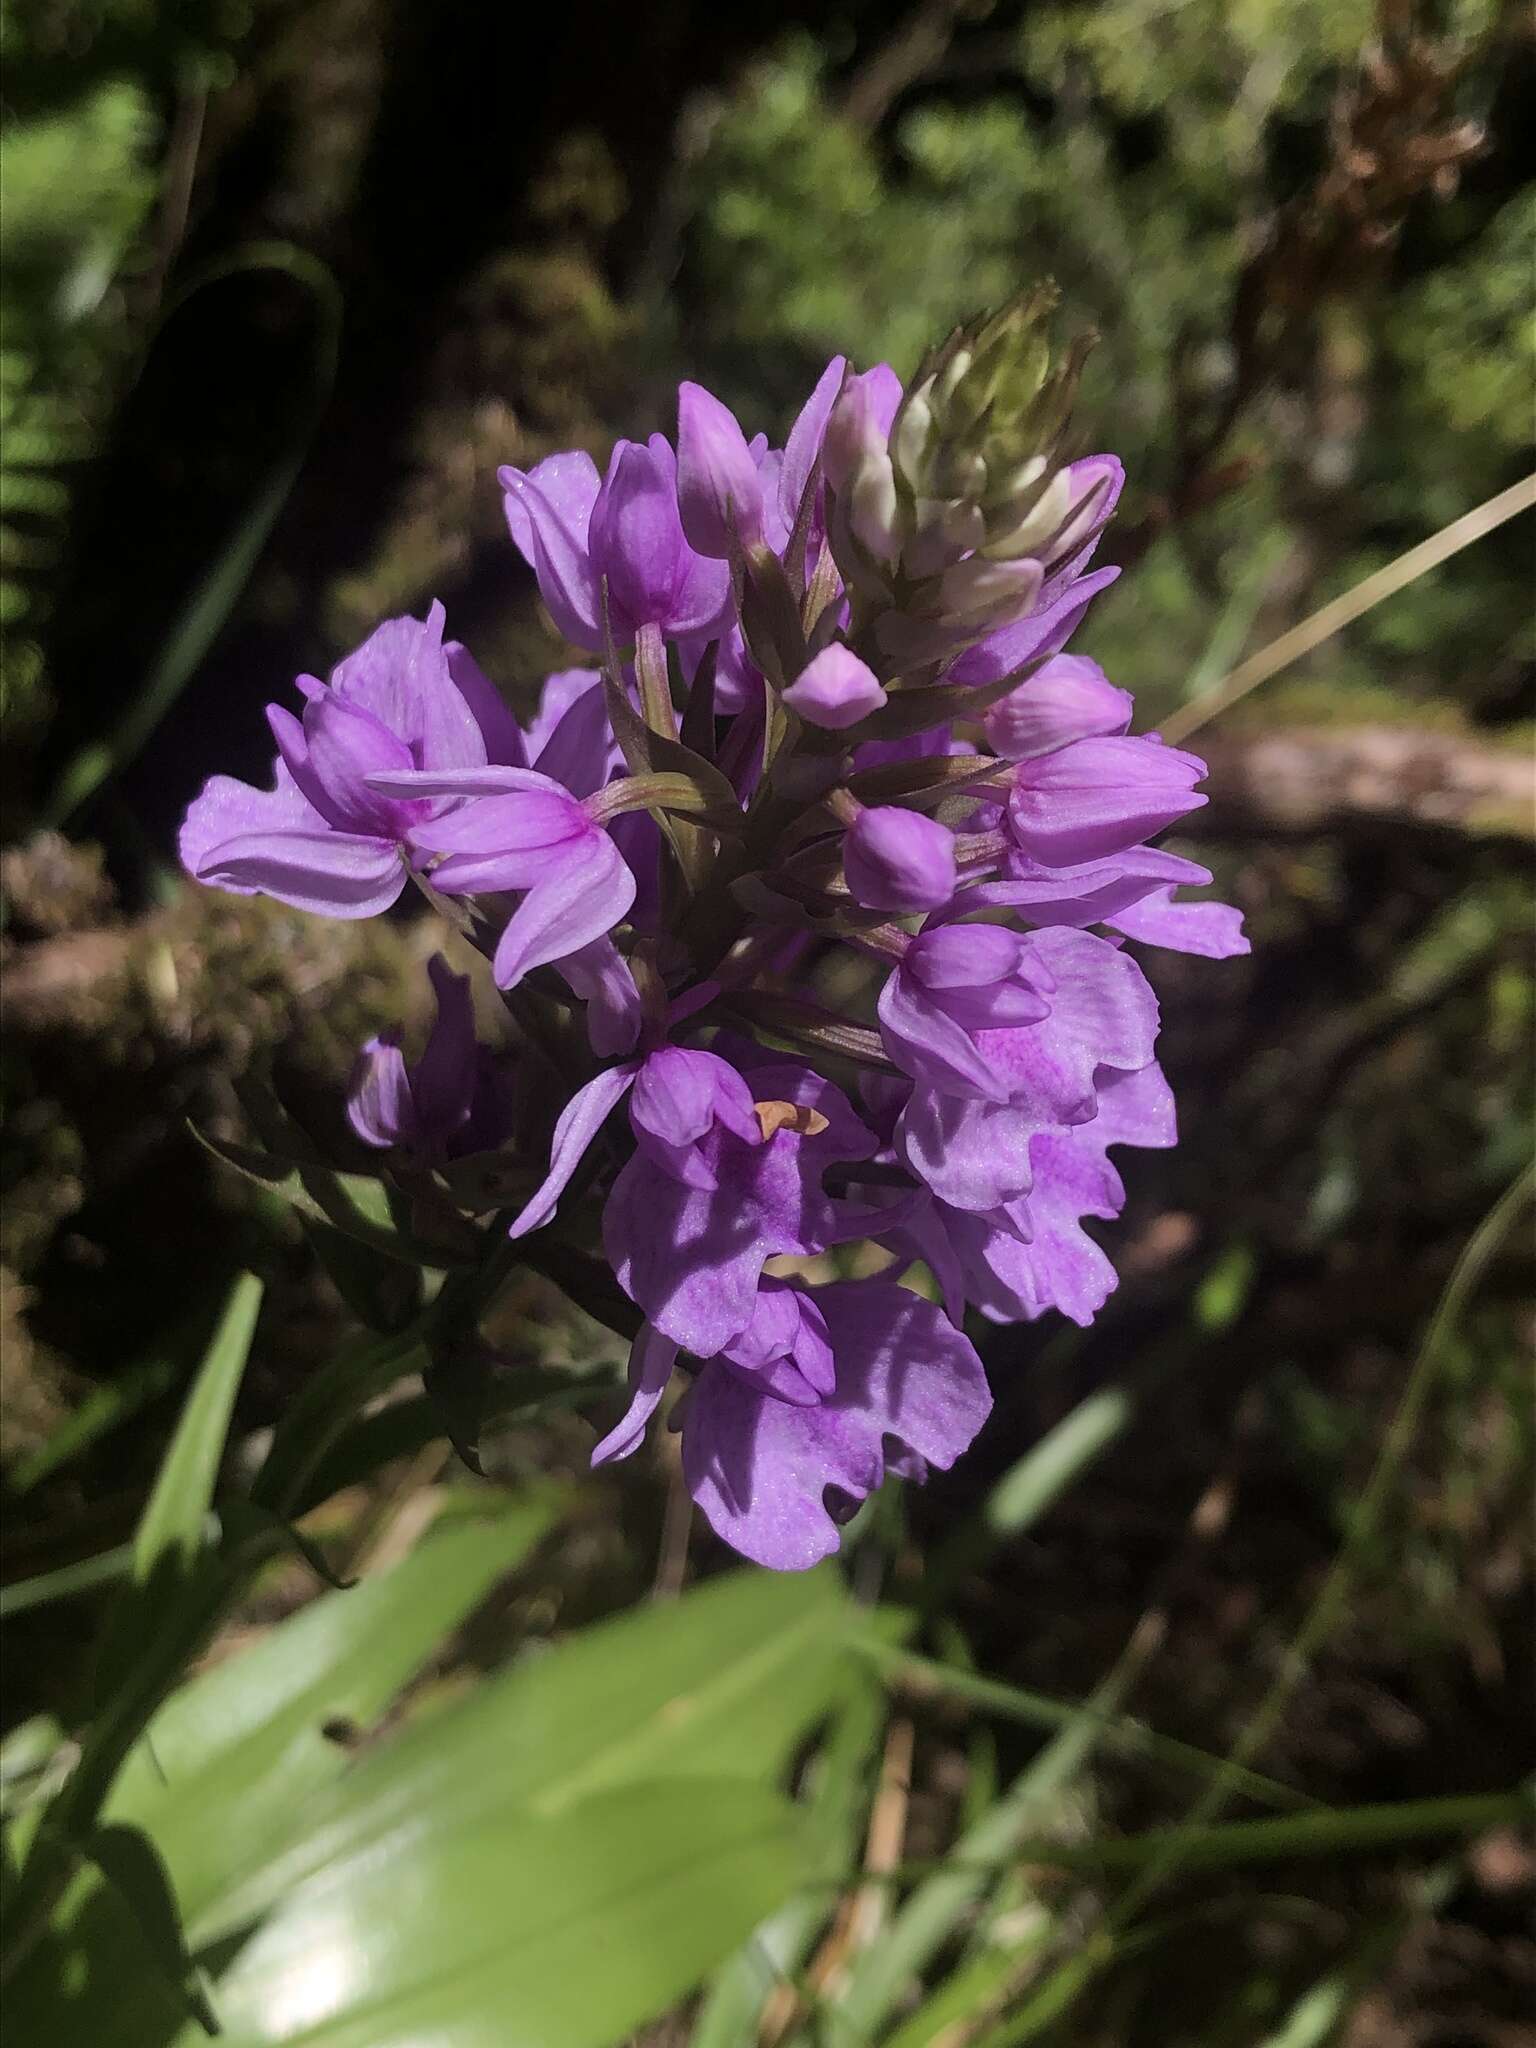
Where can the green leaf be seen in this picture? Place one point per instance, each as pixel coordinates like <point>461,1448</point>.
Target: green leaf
<point>504,1930</point>
<point>726,1680</point>
<point>255,1738</point>
<point>355,1204</point>
<point>174,1525</point>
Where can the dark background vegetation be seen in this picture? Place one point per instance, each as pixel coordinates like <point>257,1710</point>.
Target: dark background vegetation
<point>375,249</point>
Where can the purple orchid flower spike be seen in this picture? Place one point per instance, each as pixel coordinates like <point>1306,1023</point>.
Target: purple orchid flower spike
<point>909,1393</point>
<point>520,830</point>
<point>324,838</point>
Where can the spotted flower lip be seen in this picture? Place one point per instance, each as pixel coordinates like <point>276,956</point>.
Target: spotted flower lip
<point>786,834</point>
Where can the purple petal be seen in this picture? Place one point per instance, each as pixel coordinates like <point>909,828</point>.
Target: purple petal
<point>402,676</point>
<point>835,689</point>
<point>636,539</point>
<point>587,897</point>
<point>345,744</point>
<point>760,1468</point>
<point>549,510</point>
<point>651,1359</point>
<point>1212,929</point>
<point>719,492</point>
<point>600,976</point>
<point>804,443</point>
<point>1047,630</point>
<point>1102,1014</point>
<point>1099,796</point>
<point>571,740</point>
<point>490,710</point>
<point>380,1105</point>
<point>930,1046</point>
<point>972,1155</point>
<point>580,1121</point>
<point>225,809</point>
<point>899,861</point>
<point>1069,699</point>
<point>334,874</point>
<point>443,1081</point>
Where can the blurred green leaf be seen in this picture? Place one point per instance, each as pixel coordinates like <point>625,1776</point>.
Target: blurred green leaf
<point>256,1737</point>
<point>724,1681</point>
<point>502,1930</point>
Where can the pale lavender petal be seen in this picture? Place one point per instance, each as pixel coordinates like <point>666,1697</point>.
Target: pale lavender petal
<point>972,1155</point>
<point>930,1046</point>
<point>548,511</point>
<point>651,1359</point>
<point>571,740</point>
<point>1069,699</point>
<point>835,689</point>
<point>587,898</point>
<point>600,976</point>
<point>804,443</point>
<point>580,1121</point>
<point>334,874</point>
<point>760,1469</point>
<point>1103,1014</point>
<point>1214,930</point>
<point>491,712</point>
<point>225,809</point>
<point>380,1105</point>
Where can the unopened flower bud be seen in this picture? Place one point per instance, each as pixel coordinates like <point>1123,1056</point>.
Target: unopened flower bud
<point>1069,698</point>
<point>1093,485</point>
<point>873,509</point>
<point>855,435</point>
<point>914,437</point>
<point>835,689</point>
<point>976,591</point>
<point>719,492</point>
<point>1029,534</point>
<point>899,861</point>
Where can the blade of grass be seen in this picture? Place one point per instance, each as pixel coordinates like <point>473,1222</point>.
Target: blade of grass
<point>69,1580</point>
<point>926,1678</point>
<point>1351,605</point>
<point>1061,1989</point>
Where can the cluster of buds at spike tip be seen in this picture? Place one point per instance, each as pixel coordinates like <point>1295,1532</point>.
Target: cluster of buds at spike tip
<point>951,514</point>
<point>805,910</point>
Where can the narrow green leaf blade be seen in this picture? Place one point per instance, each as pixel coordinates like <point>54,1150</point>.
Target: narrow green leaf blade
<point>174,1523</point>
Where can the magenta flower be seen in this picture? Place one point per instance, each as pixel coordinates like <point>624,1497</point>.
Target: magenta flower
<point>909,1393</point>
<point>521,830</point>
<point>578,532</point>
<point>731,870</point>
<point>324,838</point>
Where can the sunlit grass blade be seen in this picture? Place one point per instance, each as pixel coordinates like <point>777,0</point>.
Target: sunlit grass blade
<point>927,1678</point>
